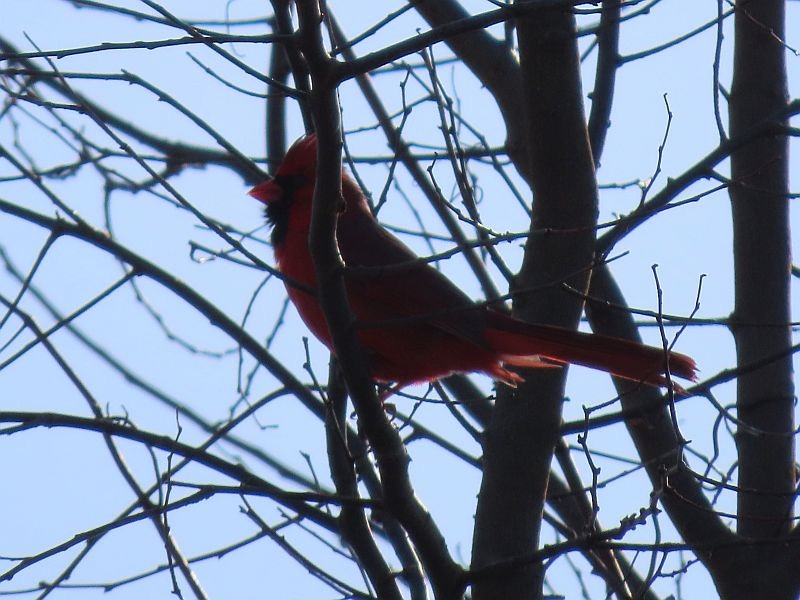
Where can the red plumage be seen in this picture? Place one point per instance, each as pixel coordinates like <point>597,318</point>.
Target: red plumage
<point>415,324</point>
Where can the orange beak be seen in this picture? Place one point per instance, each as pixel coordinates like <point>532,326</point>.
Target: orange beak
<point>266,191</point>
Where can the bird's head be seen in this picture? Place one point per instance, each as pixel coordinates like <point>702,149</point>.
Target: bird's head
<point>287,196</point>
<point>293,181</point>
<point>297,169</point>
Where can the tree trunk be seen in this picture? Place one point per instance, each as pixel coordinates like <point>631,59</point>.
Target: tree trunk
<point>521,437</point>
<point>762,262</point>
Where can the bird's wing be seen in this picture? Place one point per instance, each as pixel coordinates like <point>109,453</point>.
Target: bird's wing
<point>387,282</point>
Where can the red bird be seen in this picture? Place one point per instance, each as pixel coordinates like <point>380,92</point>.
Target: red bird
<point>415,324</point>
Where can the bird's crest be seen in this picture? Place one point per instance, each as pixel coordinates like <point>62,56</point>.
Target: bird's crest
<point>301,158</point>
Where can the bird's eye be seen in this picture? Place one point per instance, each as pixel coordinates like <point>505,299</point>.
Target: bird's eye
<point>289,183</point>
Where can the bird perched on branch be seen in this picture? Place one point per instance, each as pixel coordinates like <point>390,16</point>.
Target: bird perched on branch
<point>415,324</point>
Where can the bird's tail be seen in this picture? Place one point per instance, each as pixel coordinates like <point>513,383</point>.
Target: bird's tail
<point>526,344</point>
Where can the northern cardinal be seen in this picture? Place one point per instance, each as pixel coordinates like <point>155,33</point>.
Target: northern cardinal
<point>415,324</point>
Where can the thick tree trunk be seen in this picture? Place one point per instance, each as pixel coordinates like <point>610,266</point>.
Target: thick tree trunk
<point>524,429</point>
<point>762,261</point>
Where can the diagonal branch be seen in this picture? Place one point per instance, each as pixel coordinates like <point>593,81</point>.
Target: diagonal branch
<point>652,432</point>
<point>177,152</point>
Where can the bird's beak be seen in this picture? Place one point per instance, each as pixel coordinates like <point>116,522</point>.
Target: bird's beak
<point>266,191</point>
